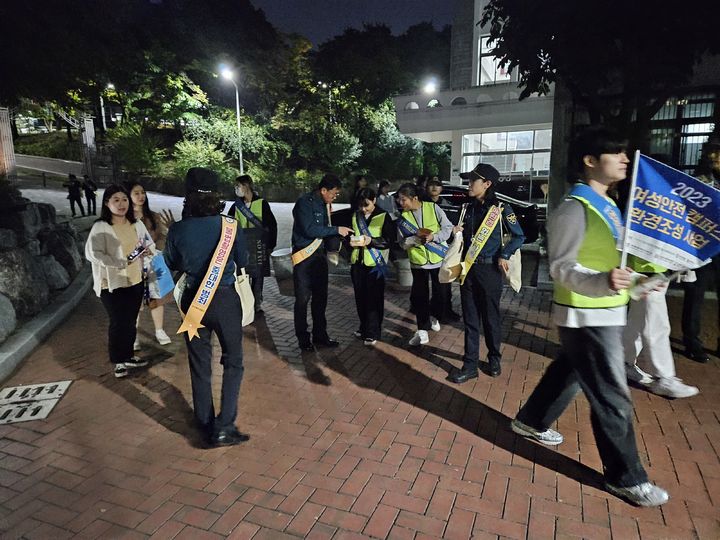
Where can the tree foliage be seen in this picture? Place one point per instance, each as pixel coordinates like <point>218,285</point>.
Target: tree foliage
<point>620,60</point>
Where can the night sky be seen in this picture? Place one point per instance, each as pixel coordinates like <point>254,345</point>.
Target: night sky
<point>320,20</point>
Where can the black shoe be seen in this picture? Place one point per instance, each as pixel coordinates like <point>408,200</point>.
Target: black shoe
<point>306,346</point>
<point>463,375</point>
<point>228,437</point>
<point>494,369</point>
<point>328,342</point>
<point>698,356</point>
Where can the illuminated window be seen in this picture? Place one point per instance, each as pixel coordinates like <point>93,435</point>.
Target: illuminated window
<point>490,71</point>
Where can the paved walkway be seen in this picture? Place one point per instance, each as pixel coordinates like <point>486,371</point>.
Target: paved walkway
<point>355,443</point>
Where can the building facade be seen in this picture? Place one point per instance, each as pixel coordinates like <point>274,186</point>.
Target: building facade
<point>479,113</point>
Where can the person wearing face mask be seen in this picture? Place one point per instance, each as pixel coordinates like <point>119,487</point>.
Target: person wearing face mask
<point>258,222</point>
<point>311,227</point>
<point>373,231</point>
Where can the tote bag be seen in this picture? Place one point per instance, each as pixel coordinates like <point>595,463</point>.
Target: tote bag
<point>451,266</point>
<point>247,298</point>
<point>514,274</point>
<point>242,287</point>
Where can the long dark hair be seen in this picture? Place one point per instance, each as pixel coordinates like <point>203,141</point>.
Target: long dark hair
<point>146,205</point>
<point>105,213</point>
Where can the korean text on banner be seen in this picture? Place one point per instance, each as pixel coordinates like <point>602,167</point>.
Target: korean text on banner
<point>674,218</point>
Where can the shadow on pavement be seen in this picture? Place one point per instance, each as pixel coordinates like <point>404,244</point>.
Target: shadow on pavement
<point>417,389</point>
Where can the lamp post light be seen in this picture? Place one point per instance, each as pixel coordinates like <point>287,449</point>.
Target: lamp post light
<point>230,76</point>
<point>430,87</point>
<point>110,86</point>
<point>326,86</point>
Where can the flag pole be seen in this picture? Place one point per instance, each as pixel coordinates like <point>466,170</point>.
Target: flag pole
<point>628,214</point>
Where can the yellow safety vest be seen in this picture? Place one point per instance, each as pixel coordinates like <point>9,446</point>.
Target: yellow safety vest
<point>419,255</point>
<point>255,208</point>
<point>597,252</point>
<point>375,228</point>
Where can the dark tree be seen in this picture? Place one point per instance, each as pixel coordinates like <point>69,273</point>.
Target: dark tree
<point>620,60</point>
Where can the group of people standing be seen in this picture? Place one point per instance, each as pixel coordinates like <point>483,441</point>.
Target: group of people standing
<point>598,350</point>
<point>75,194</point>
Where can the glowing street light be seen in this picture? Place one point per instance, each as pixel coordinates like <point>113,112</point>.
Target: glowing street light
<point>430,87</point>
<point>230,76</point>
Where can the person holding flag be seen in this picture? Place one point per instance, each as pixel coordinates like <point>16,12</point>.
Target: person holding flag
<point>485,260</point>
<point>423,229</point>
<point>373,232</point>
<point>208,248</point>
<point>590,298</point>
<point>259,226</point>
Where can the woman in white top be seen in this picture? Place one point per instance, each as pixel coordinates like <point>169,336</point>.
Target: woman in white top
<point>115,247</point>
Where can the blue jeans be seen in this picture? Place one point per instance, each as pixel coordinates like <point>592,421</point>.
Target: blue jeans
<point>591,359</point>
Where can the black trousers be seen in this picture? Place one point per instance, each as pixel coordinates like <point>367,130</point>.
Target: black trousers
<point>311,287</point>
<point>480,297</point>
<point>224,318</point>
<point>256,284</point>
<point>369,299</point>
<point>91,204</point>
<point>122,306</point>
<point>425,304</point>
<point>591,359</point>
<point>693,301</point>
<point>73,202</point>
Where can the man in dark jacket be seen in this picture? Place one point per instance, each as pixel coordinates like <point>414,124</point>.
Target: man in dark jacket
<point>74,194</point>
<point>311,226</point>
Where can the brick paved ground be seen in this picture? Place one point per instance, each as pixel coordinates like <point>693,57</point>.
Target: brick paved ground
<point>358,443</point>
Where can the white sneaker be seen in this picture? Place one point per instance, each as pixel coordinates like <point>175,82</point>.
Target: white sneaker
<point>434,324</point>
<point>645,494</point>
<point>549,437</point>
<point>420,338</point>
<point>136,345</point>
<point>637,375</point>
<point>162,337</point>
<point>672,387</point>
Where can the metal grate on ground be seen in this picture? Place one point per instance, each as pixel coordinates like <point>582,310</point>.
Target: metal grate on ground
<point>30,402</point>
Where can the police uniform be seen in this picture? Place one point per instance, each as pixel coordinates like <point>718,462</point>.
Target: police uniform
<point>480,292</point>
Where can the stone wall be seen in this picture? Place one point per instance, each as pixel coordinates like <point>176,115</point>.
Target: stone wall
<point>38,257</point>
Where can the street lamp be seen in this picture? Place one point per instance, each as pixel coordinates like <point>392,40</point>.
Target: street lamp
<point>110,86</point>
<point>430,87</point>
<point>230,76</point>
<point>326,86</point>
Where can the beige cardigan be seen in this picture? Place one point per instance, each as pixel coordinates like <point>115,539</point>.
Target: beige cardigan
<point>104,251</point>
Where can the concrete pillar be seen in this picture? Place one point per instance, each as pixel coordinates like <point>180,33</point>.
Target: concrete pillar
<point>562,132</point>
<point>7,149</point>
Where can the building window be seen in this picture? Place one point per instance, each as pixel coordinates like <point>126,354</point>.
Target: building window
<point>681,127</point>
<point>489,70</point>
<point>521,157</point>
